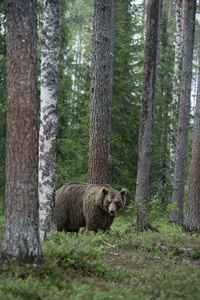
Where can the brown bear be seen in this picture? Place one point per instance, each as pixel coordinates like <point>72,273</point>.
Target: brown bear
<point>87,205</point>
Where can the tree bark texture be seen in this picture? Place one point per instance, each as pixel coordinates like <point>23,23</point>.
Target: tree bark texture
<point>159,29</point>
<point>170,10</point>
<point>101,91</point>
<point>146,118</point>
<point>176,81</point>
<point>48,117</point>
<point>184,113</point>
<point>192,215</point>
<point>21,226</point>
<point>112,55</point>
<point>183,23</point>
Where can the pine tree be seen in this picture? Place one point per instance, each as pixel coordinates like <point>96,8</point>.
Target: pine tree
<point>100,92</point>
<point>73,105</point>
<point>192,215</point>
<point>3,99</point>
<point>21,226</point>
<point>184,113</point>
<point>127,86</point>
<point>161,186</point>
<point>142,197</point>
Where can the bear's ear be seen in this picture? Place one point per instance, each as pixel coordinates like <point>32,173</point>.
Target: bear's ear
<point>123,192</point>
<point>104,190</point>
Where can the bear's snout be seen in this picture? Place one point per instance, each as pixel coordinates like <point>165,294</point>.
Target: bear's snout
<point>112,209</point>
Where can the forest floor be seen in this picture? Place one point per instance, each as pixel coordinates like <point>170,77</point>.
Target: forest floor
<point>118,265</point>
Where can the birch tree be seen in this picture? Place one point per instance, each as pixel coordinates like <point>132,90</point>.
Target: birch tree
<point>48,117</point>
<point>176,81</point>
<point>192,215</point>
<point>184,114</point>
<point>142,197</point>
<point>21,225</point>
<point>100,91</point>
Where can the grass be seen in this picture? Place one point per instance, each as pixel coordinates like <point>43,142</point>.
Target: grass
<point>118,265</point>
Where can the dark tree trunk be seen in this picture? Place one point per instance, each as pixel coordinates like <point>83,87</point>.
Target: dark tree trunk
<point>101,90</point>
<point>146,119</point>
<point>21,227</point>
<point>183,23</point>
<point>192,215</point>
<point>184,114</point>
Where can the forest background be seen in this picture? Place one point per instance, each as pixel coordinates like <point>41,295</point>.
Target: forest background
<point>126,263</point>
<point>74,65</point>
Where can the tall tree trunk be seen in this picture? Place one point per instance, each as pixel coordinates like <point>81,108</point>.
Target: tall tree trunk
<point>176,81</point>
<point>112,55</point>
<point>101,90</point>
<point>146,119</point>
<point>3,102</point>
<point>170,10</point>
<point>183,23</point>
<point>184,113</point>
<point>21,226</point>
<point>192,215</point>
<point>48,117</point>
<point>159,30</point>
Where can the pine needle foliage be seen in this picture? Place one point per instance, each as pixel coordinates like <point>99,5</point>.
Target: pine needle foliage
<point>126,96</point>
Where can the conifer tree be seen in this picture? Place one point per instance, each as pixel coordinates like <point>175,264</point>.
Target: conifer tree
<point>184,113</point>
<point>192,215</point>
<point>142,197</point>
<point>127,86</point>
<point>161,186</point>
<point>73,104</point>
<point>21,225</point>
<point>3,99</point>
<point>100,91</point>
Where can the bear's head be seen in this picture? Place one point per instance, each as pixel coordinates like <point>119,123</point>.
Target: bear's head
<point>112,200</point>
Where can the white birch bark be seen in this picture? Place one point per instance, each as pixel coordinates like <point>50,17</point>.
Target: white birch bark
<point>48,117</point>
<point>176,81</point>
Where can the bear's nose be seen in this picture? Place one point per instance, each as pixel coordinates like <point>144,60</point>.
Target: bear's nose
<point>112,212</point>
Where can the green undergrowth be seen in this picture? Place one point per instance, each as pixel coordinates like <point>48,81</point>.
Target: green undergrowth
<point>120,264</point>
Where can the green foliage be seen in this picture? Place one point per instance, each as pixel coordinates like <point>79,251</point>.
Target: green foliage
<point>118,265</point>
<point>161,186</point>
<point>127,88</point>
<point>73,91</point>
<point>82,252</point>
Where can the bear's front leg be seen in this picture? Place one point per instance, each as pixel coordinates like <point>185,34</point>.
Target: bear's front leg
<point>96,220</point>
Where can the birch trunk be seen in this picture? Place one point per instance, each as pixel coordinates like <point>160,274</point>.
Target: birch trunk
<point>141,216</point>
<point>176,81</point>
<point>21,226</point>
<point>48,117</point>
<point>101,91</point>
<point>184,114</point>
<point>192,215</point>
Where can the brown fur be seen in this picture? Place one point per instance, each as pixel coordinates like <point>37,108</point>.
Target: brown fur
<point>87,205</point>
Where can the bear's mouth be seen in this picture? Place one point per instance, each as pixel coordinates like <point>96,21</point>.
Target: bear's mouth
<point>112,212</point>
